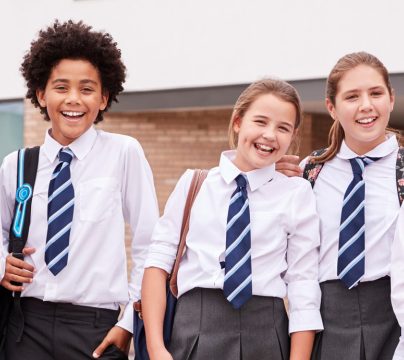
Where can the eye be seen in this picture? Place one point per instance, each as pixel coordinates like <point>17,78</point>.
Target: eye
<point>60,88</point>
<point>87,90</point>
<point>351,97</point>
<point>260,122</point>
<point>285,129</point>
<point>377,93</point>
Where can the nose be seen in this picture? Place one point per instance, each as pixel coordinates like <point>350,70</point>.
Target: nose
<point>269,133</point>
<point>366,103</point>
<point>73,97</point>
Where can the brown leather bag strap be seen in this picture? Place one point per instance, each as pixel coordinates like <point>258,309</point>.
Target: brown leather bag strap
<point>197,180</point>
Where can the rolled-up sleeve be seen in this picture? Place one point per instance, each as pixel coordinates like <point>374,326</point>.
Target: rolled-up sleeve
<point>397,280</point>
<point>304,294</point>
<point>166,234</point>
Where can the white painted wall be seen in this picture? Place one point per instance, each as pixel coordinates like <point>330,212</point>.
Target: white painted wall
<point>187,43</point>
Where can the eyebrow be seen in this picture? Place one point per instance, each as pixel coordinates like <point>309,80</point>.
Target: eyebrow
<point>372,88</point>
<point>84,81</point>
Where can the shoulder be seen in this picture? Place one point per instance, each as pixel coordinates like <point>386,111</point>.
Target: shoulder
<point>10,160</point>
<point>118,141</point>
<point>295,183</point>
<point>125,148</point>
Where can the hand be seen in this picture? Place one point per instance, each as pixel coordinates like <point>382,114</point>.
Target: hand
<point>289,165</point>
<point>116,336</point>
<point>161,354</point>
<point>18,271</point>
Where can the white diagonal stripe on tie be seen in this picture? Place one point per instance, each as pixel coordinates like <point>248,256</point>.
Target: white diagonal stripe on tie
<point>352,240</point>
<point>235,217</point>
<point>59,190</point>
<point>353,191</point>
<point>236,242</point>
<point>361,164</point>
<point>61,211</point>
<point>58,235</point>
<point>239,288</point>
<point>235,197</point>
<point>57,258</point>
<point>350,217</point>
<point>238,265</point>
<point>61,168</point>
<point>67,150</point>
<point>352,264</point>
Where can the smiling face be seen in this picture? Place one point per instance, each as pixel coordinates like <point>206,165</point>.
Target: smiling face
<point>264,133</point>
<point>362,106</point>
<point>72,97</point>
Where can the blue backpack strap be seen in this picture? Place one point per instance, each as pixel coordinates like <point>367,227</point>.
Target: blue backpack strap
<point>312,169</point>
<point>26,174</point>
<point>400,174</point>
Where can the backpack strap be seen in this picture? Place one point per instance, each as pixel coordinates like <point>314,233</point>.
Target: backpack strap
<point>400,174</point>
<point>197,180</point>
<point>26,175</point>
<point>312,169</point>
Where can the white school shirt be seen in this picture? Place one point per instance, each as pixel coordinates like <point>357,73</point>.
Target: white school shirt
<point>381,208</point>
<point>397,280</point>
<point>284,237</point>
<point>113,183</point>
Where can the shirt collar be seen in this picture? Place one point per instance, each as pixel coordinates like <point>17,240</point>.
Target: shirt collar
<point>256,178</point>
<point>80,147</point>
<point>381,150</point>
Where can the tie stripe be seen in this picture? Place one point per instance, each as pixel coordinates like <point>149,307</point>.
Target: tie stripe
<point>237,216</point>
<point>237,242</point>
<point>237,285</point>
<point>60,214</point>
<point>351,249</point>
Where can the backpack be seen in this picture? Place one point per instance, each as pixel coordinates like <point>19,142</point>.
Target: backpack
<point>26,174</point>
<point>312,169</point>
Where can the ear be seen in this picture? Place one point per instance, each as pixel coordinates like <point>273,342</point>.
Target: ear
<point>40,95</point>
<point>331,108</point>
<point>236,124</point>
<point>104,100</point>
<point>392,99</point>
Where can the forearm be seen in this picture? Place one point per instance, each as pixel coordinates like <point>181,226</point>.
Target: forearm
<point>301,345</point>
<point>153,307</point>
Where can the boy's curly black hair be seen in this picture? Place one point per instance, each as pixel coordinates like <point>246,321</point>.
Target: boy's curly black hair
<point>70,40</point>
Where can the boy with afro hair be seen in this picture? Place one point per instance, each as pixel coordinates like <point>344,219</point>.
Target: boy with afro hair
<point>89,183</point>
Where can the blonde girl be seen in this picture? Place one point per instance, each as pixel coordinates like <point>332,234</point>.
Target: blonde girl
<point>253,240</point>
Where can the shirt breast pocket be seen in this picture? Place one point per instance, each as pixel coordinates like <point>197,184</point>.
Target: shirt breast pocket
<point>99,199</point>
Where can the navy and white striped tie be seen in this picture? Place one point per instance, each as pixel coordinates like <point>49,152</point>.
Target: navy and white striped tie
<point>60,213</point>
<point>238,280</point>
<point>351,252</point>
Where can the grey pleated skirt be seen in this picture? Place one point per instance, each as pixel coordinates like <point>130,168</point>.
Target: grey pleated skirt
<point>206,327</point>
<point>359,323</point>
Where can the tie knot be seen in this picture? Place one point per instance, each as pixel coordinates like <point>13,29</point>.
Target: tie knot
<point>358,164</point>
<point>66,155</point>
<point>241,181</point>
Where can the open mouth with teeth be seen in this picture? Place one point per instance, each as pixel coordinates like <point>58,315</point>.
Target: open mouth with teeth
<point>366,121</point>
<point>264,148</point>
<point>73,115</point>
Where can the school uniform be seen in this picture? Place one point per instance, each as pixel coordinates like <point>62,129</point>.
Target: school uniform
<point>284,258</point>
<point>397,284</point>
<point>358,323</point>
<point>113,184</point>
